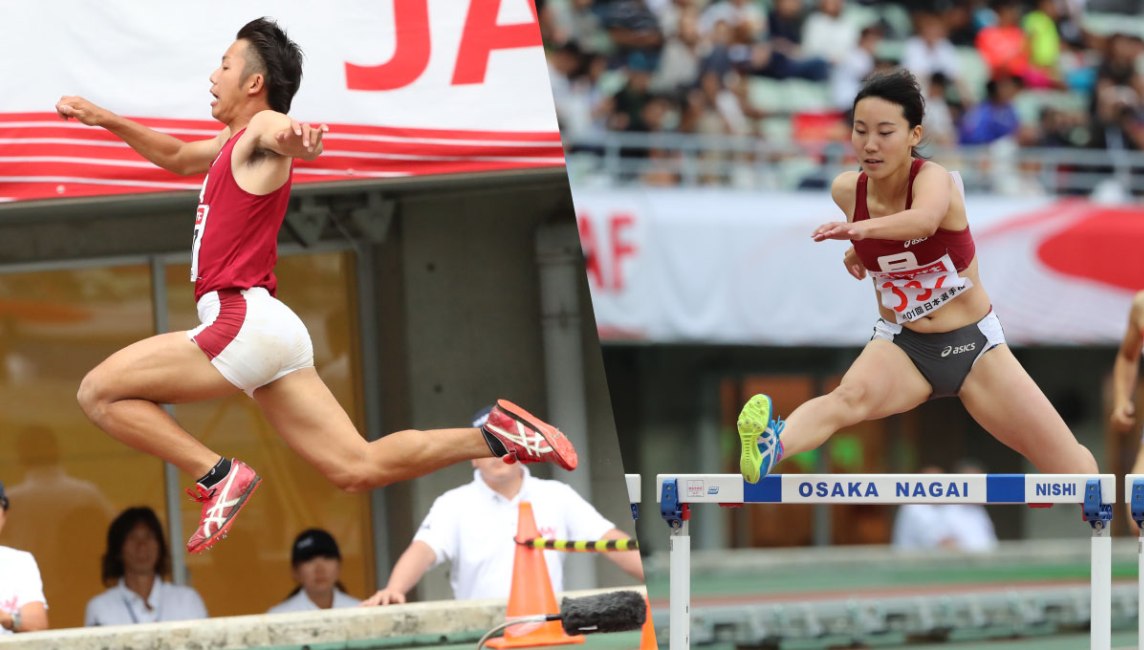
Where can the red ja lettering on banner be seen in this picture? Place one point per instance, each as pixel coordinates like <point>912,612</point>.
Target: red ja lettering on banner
<point>481,36</point>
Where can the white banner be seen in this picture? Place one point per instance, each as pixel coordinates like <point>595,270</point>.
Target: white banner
<point>408,86</point>
<point>732,267</point>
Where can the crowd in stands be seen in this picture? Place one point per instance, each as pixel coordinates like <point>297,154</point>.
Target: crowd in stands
<point>1030,74</point>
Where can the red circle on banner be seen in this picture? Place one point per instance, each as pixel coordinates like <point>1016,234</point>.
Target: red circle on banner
<point>1106,246</point>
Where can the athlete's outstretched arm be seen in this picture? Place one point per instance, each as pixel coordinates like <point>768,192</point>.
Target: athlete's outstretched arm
<point>932,195</point>
<point>1126,367</point>
<point>164,150</point>
<point>413,563</point>
<point>274,131</point>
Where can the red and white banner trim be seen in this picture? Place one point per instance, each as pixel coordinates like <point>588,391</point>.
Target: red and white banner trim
<point>42,156</point>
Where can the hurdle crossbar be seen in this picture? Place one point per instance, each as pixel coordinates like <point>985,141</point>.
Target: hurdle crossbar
<point>1096,493</point>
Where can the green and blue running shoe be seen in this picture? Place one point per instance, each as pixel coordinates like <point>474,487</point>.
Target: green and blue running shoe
<point>759,432</point>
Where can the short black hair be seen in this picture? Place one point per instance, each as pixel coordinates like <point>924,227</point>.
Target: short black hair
<point>278,58</point>
<point>122,526</point>
<point>897,87</point>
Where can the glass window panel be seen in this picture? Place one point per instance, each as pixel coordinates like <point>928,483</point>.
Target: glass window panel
<point>66,478</point>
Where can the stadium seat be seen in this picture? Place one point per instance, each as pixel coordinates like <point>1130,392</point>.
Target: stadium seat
<point>1104,24</point>
<point>788,96</point>
<point>1030,102</point>
<point>777,130</point>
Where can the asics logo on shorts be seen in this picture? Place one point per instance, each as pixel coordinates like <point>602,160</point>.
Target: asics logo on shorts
<point>950,349</point>
<point>911,242</point>
<point>530,440</point>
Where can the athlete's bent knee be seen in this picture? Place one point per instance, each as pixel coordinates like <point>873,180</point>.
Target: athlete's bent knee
<point>852,398</point>
<point>90,397</point>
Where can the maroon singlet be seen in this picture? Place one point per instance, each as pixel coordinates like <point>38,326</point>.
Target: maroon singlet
<point>958,243</point>
<point>236,233</point>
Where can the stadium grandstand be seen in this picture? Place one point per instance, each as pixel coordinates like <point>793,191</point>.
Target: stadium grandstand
<point>755,94</point>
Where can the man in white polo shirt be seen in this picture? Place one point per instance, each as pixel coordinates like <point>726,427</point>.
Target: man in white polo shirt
<point>473,526</point>
<point>23,607</point>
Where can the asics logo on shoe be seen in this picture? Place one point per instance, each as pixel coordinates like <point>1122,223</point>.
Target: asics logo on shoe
<point>216,515</point>
<point>531,441</point>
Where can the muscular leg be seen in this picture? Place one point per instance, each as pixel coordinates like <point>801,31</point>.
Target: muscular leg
<point>1003,399</point>
<point>314,425</point>
<point>881,382</point>
<point>122,397</point>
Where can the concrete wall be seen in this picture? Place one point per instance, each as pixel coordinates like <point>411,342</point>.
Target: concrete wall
<point>463,269</point>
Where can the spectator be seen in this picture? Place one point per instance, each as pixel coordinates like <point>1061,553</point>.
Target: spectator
<point>1044,45</point>
<point>1003,46</point>
<point>672,13</point>
<point>930,51</point>
<point>135,566</point>
<point>482,563</point>
<point>784,25</point>
<point>1117,80</point>
<point>317,565</point>
<point>56,508</point>
<point>23,607</point>
<point>953,526</point>
<point>1058,129</point>
<point>827,35</point>
<point>747,23</point>
<point>846,78</point>
<point>679,62</point>
<point>632,29</point>
<point>995,118</point>
<point>630,100</point>
<point>939,123</point>
<point>969,525</point>
<point>959,21</point>
<point>589,107</point>
<point>781,55</point>
<point>723,55</point>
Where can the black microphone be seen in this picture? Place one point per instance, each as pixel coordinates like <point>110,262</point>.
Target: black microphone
<point>615,611</point>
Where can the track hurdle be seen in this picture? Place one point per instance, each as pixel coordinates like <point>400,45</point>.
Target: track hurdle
<point>1096,494</point>
<point>1134,495</point>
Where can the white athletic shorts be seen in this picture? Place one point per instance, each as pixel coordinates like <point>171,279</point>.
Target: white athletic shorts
<point>251,337</point>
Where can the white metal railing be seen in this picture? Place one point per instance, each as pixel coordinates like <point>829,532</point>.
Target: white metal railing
<point>619,158</point>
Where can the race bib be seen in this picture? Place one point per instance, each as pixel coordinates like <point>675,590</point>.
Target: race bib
<point>916,291</point>
<point>196,242</point>
<point>200,226</point>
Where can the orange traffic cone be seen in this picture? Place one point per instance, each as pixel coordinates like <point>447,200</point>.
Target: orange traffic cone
<point>531,593</point>
<point>647,635</point>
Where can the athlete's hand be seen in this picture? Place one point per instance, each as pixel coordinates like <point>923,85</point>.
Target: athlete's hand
<point>81,109</point>
<point>307,136</point>
<point>384,597</point>
<point>854,265</point>
<point>837,230</point>
<point>1123,416</point>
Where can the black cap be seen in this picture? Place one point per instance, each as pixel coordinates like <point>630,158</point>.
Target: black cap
<point>3,497</point>
<point>482,416</point>
<point>313,543</point>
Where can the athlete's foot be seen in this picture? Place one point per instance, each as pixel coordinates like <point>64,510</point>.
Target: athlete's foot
<point>759,434</point>
<point>527,438</point>
<point>221,504</point>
